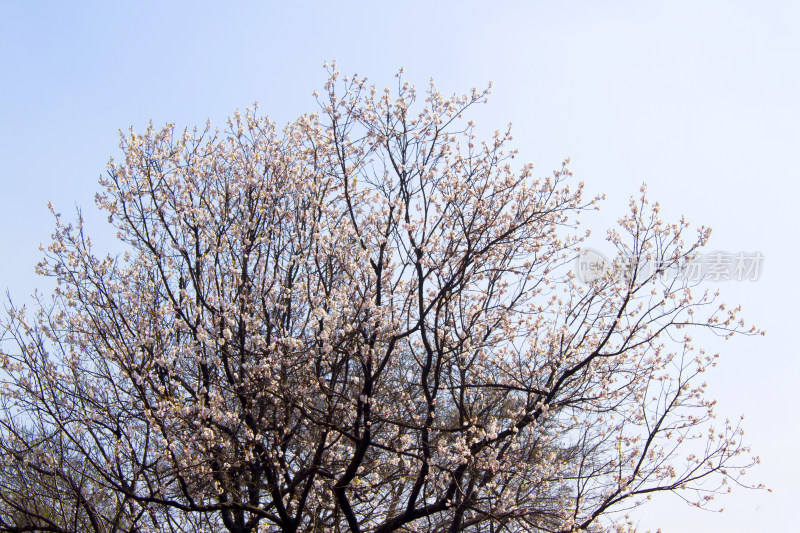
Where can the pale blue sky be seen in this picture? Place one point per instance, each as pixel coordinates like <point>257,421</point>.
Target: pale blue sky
<point>698,98</point>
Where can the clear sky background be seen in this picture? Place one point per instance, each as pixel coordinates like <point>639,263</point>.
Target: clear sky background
<point>697,98</point>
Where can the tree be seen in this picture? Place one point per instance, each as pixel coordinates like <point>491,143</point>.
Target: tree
<point>365,322</point>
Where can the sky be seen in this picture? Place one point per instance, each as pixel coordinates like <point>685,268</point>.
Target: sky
<point>699,99</point>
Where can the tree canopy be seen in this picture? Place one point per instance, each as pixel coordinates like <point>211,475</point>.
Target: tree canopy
<point>364,321</point>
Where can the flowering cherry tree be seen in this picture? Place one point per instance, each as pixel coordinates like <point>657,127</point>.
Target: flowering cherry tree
<point>366,321</point>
